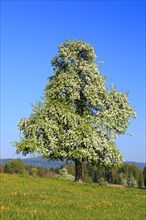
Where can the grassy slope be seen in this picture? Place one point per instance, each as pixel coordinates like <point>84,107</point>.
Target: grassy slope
<point>26,197</point>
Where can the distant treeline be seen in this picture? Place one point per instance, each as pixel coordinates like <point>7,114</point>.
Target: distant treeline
<point>18,167</point>
<point>128,174</point>
<point>46,163</point>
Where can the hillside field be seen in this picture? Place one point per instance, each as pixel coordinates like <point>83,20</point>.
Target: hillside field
<point>28,197</point>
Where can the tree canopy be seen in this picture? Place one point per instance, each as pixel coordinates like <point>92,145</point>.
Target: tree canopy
<point>79,118</point>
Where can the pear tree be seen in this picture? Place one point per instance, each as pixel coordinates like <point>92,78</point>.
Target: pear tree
<point>78,118</point>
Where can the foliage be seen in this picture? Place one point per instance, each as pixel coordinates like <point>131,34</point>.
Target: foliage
<point>140,181</point>
<point>102,181</point>
<point>40,171</point>
<point>14,166</point>
<point>70,168</point>
<point>63,174</point>
<point>144,173</point>
<point>30,197</point>
<point>87,178</point>
<point>17,166</point>
<point>131,181</point>
<point>127,174</point>
<point>79,118</point>
<point>132,171</point>
<point>1,168</point>
<point>123,179</point>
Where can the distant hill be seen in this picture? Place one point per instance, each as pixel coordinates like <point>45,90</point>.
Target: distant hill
<point>138,164</point>
<point>39,161</point>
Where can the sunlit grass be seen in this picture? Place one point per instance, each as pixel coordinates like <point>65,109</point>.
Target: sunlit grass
<point>26,197</point>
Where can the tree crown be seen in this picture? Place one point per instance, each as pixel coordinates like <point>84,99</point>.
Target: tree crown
<point>78,118</point>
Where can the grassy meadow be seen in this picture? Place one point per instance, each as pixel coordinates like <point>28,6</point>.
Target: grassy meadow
<point>28,197</point>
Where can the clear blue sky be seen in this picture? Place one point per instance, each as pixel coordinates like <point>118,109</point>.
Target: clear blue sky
<point>30,34</point>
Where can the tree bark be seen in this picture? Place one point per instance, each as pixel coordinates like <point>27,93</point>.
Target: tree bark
<point>78,171</point>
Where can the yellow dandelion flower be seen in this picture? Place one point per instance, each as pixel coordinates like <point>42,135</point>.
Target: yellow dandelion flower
<point>87,206</point>
<point>2,208</point>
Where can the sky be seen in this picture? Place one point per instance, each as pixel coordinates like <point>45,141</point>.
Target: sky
<point>31,32</point>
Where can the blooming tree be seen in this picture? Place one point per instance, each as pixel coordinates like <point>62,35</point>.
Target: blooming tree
<point>78,118</point>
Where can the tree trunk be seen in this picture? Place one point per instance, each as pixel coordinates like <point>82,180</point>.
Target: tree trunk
<point>78,171</point>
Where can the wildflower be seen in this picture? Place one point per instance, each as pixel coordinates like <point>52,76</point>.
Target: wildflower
<point>87,206</point>
<point>2,208</point>
<point>13,193</point>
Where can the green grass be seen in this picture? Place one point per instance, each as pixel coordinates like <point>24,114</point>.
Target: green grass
<point>26,198</point>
